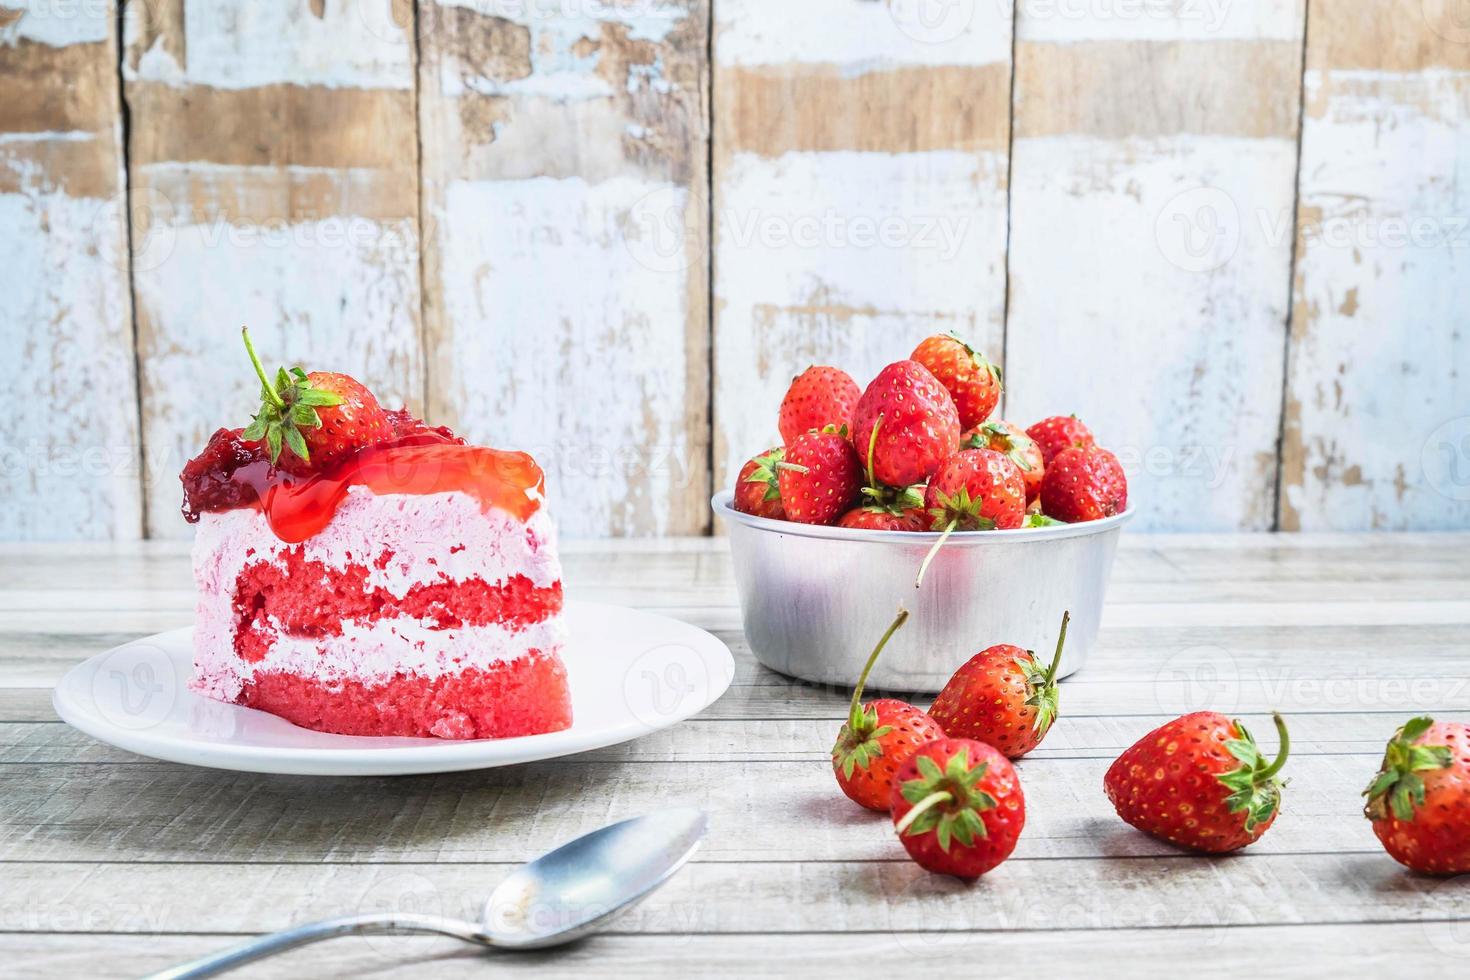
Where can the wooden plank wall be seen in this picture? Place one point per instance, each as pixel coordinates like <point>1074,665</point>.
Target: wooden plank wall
<point>565,210</point>
<point>1378,393</point>
<point>639,219</point>
<point>68,434</point>
<point>1154,165</point>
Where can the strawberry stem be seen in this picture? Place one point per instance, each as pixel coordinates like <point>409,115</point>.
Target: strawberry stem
<point>857,692</point>
<point>948,529</point>
<point>927,803</point>
<point>793,467</point>
<point>1051,672</point>
<point>1275,767</point>
<point>872,445</point>
<point>266,386</point>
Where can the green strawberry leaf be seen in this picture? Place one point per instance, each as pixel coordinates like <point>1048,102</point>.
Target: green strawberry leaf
<point>1398,787</point>
<point>1255,788</point>
<point>946,802</point>
<point>286,407</point>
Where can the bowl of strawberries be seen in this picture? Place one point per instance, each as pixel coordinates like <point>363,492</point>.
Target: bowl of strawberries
<point>910,493</point>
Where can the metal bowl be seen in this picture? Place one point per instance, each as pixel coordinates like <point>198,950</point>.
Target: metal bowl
<point>816,599</point>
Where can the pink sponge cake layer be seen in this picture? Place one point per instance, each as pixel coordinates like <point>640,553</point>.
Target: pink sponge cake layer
<point>522,697</point>
<point>425,614</point>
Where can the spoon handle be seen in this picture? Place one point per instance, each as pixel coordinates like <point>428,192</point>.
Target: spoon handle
<point>348,925</point>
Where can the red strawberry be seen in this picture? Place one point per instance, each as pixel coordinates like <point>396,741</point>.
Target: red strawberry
<point>1084,484</point>
<point>756,490</point>
<point>320,417</point>
<point>874,517</point>
<point>886,508</point>
<point>1200,782</point>
<point>975,490</point>
<point>1058,433</point>
<point>878,737</point>
<point>971,380</point>
<point>1420,800</point>
<point>818,397</point>
<point>1012,440</point>
<point>958,808</point>
<point>920,429</point>
<point>1003,696</point>
<point>820,477</point>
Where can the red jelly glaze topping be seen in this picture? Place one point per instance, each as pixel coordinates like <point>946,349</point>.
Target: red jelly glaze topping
<point>231,473</point>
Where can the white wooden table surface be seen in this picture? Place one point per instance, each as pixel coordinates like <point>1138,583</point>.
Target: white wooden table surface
<point>115,864</point>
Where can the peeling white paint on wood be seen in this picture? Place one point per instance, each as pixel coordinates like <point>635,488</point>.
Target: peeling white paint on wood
<point>560,63</point>
<point>1067,21</point>
<point>862,35</point>
<point>849,259</point>
<point>844,232</point>
<point>1150,252</point>
<point>233,45</point>
<point>68,437</point>
<point>1378,398</point>
<point>1148,297</point>
<point>58,25</point>
<point>565,283</point>
<point>574,372</point>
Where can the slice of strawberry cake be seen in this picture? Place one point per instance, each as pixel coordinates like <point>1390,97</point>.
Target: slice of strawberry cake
<point>362,573</point>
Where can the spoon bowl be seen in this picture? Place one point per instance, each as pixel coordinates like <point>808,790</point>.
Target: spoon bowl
<point>557,898</point>
<point>569,892</point>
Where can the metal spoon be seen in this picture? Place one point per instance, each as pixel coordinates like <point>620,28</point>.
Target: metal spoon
<point>559,897</point>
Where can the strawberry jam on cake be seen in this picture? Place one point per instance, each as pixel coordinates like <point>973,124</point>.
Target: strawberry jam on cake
<point>362,573</point>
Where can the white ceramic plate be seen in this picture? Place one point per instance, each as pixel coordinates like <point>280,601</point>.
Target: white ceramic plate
<point>631,673</point>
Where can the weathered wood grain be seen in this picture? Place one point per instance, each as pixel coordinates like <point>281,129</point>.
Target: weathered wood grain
<point>763,810</point>
<point>710,738</point>
<point>272,158</point>
<point>69,452</point>
<point>1153,169</point>
<point>565,212</point>
<point>1417,949</point>
<point>859,898</point>
<point>860,182</point>
<point>1377,427</point>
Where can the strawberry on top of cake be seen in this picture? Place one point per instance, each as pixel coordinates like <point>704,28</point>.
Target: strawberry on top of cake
<point>362,573</point>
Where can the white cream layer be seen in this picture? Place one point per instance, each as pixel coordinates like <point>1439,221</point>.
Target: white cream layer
<point>375,652</point>
<point>434,537</point>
